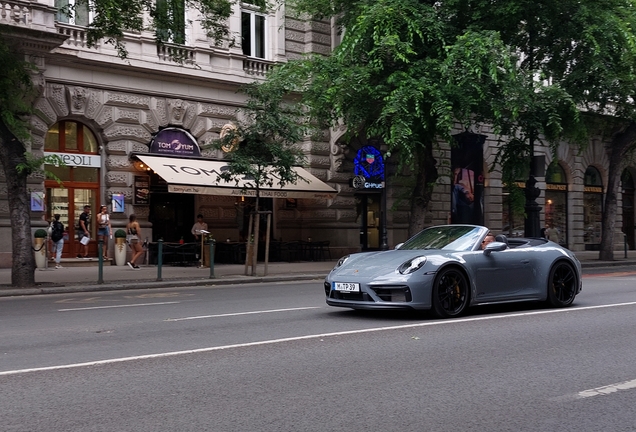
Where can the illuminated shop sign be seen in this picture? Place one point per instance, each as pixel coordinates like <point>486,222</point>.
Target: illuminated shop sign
<point>175,141</point>
<point>368,168</point>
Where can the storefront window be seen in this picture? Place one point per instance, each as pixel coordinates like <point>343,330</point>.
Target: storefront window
<point>81,174</point>
<point>592,208</point>
<point>556,198</point>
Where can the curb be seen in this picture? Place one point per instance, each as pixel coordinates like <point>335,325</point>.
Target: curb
<point>166,283</point>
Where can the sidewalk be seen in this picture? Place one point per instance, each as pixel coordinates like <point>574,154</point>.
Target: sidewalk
<point>85,278</point>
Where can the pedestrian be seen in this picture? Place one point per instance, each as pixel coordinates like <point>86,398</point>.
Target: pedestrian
<point>57,237</point>
<point>83,233</point>
<point>551,233</point>
<point>104,229</point>
<point>198,226</point>
<point>133,234</point>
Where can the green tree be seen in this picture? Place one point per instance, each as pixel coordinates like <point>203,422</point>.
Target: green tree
<point>407,69</point>
<point>264,148</point>
<point>588,49</point>
<point>16,94</point>
<point>406,73</point>
<point>17,91</point>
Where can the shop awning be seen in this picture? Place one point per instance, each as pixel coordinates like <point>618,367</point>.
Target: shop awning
<point>201,176</point>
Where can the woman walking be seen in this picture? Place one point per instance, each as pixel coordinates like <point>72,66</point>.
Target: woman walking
<point>104,229</point>
<point>133,234</point>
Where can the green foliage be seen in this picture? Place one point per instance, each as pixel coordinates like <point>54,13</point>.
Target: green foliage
<point>120,233</point>
<point>403,74</point>
<point>16,90</point>
<point>34,165</point>
<point>167,20</point>
<point>40,233</point>
<point>409,71</point>
<point>268,146</point>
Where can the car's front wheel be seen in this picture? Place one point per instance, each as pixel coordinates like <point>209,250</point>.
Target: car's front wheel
<point>450,293</point>
<point>562,285</point>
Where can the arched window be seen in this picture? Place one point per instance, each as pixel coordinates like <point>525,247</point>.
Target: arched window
<point>592,208</point>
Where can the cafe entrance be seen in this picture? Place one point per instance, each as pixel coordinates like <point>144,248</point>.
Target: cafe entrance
<point>172,216</point>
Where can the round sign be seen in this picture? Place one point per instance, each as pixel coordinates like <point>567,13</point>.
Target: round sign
<point>229,128</point>
<point>358,182</point>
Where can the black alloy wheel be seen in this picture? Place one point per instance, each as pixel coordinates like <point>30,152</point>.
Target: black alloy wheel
<point>562,285</point>
<point>450,293</point>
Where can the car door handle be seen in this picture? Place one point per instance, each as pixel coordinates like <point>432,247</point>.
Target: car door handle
<point>525,261</point>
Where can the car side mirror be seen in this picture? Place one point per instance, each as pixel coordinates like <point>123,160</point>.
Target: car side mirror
<point>495,247</point>
<point>398,246</point>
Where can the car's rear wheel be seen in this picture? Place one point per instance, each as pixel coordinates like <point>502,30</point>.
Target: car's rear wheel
<point>450,293</point>
<point>562,285</point>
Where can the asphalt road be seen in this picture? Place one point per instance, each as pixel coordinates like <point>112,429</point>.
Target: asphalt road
<point>276,358</point>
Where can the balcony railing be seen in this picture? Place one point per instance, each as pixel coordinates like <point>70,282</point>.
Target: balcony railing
<point>176,53</point>
<point>76,35</point>
<point>257,66</point>
<point>14,14</point>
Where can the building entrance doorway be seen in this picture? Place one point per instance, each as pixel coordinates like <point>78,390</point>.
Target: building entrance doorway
<point>368,209</point>
<point>172,216</point>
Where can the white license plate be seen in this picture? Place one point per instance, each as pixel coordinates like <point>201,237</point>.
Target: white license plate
<point>346,286</point>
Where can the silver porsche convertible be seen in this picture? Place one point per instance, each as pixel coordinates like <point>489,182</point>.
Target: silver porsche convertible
<point>444,268</point>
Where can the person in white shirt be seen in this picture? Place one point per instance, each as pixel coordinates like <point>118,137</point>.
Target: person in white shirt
<point>198,226</point>
<point>104,229</point>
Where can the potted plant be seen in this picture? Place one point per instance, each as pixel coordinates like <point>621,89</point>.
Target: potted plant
<point>39,247</point>
<point>120,247</point>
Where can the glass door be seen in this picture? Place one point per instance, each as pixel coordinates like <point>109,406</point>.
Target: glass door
<point>58,202</point>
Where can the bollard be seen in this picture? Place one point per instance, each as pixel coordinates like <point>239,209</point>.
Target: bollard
<point>212,244</point>
<point>100,266</point>
<point>625,243</point>
<point>159,259</point>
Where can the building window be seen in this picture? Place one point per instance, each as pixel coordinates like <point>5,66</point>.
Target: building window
<point>171,21</point>
<point>70,137</point>
<point>73,12</point>
<point>253,35</point>
<point>592,208</point>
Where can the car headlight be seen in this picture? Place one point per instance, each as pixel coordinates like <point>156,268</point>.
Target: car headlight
<point>342,260</point>
<point>412,265</point>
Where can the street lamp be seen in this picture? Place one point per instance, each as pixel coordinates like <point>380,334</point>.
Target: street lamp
<point>532,224</point>
<point>384,241</point>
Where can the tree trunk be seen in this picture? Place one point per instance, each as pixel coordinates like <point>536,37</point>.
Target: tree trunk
<point>425,178</point>
<point>12,153</point>
<point>621,142</point>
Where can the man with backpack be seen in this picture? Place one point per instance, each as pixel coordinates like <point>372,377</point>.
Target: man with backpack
<point>57,237</point>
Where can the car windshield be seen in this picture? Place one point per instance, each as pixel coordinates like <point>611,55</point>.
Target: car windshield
<point>449,237</point>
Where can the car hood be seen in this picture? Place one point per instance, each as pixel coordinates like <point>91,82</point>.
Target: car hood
<point>376,264</point>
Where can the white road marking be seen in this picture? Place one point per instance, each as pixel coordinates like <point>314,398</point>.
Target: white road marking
<point>308,337</point>
<point>117,306</point>
<point>608,389</point>
<point>240,313</point>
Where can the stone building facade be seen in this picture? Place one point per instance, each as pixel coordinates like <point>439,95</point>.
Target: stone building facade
<point>97,111</point>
